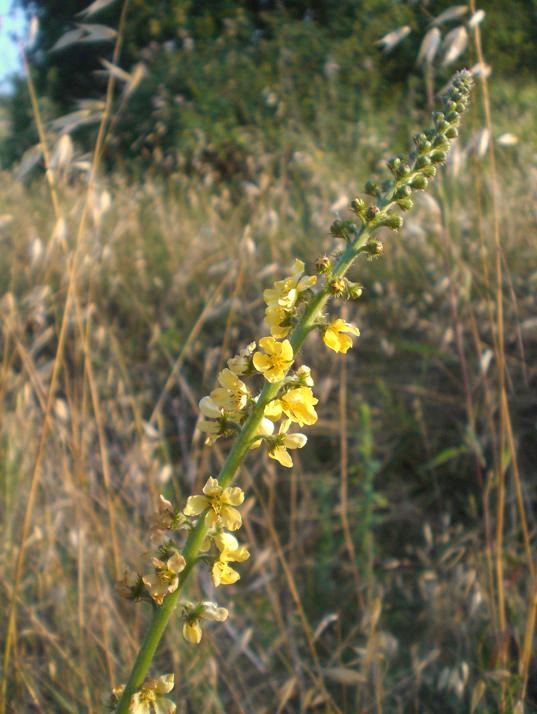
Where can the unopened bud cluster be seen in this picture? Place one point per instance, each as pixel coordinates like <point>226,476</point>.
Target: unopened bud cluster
<point>410,173</point>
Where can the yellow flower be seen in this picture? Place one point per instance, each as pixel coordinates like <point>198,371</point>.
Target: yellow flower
<point>230,552</point>
<point>274,316</point>
<point>232,395</point>
<point>220,504</point>
<point>165,579</point>
<point>335,338</point>
<point>201,611</point>
<point>297,404</point>
<point>240,363</point>
<point>286,441</point>
<point>277,360</point>
<point>285,292</point>
<point>150,698</point>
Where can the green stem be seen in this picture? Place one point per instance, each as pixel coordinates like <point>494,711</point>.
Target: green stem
<point>309,319</point>
<point>227,473</point>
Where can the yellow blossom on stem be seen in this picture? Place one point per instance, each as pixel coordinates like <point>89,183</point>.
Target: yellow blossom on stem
<point>150,698</point>
<point>274,317</point>
<point>192,615</point>
<point>165,579</point>
<point>232,395</point>
<point>276,361</point>
<point>297,404</point>
<point>239,363</point>
<point>286,441</point>
<point>285,292</point>
<point>230,552</point>
<point>334,336</point>
<point>219,502</point>
<point>281,300</point>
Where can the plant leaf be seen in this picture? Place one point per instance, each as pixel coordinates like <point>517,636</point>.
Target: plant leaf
<point>70,38</point>
<point>95,7</point>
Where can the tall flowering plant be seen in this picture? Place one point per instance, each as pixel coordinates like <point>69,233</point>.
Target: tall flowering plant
<point>261,398</point>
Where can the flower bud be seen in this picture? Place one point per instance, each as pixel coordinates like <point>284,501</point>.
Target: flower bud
<point>372,188</point>
<point>355,291</point>
<point>429,171</point>
<point>403,171</point>
<point>337,287</point>
<point>441,143</point>
<point>359,206</point>
<point>374,248</point>
<point>405,204</point>
<point>394,164</point>
<point>422,161</point>
<point>419,182</point>
<point>323,264</point>
<point>343,229</point>
<point>438,157</point>
<point>403,192</point>
<point>371,213</point>
<point>452,132</point>
<point>394,222</point>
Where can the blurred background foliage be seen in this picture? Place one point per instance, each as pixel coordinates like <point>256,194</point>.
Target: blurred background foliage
<point>224,77</point>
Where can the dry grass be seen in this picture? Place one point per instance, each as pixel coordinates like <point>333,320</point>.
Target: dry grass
<point>377,556</point>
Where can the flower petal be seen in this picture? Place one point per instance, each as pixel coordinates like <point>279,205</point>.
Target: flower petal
<point>273,410</point>
<point>196,505</point>
<point>211,611</point>
<point>268,344</point>
<point>138,706</point>
<point>164,684</point>
<point>233,496</point>
<point>164,706</point>
<point>231,518</point>
<point>212,488</point>
<point>226,541</point>
<point>209,408</point>
<point>295,441</point>
<point>261,362</point>
<point>223,574</point>
<point>192,632</point>
<point>281,454</point>
<point>287,351</point>
<point>176,563</point>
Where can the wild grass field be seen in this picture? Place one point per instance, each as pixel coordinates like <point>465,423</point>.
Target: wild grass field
<point>392,569</point>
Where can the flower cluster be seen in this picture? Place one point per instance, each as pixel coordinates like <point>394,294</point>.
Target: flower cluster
<point>218,506</point>
<point>283,299</point>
